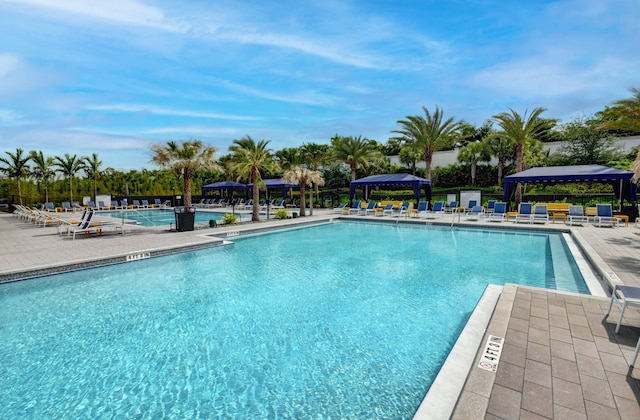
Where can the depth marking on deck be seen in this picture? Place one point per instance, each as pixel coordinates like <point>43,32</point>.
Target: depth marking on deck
<point>491,354</point>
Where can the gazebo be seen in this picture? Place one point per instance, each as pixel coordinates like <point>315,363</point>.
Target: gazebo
<point>619,179</point>
<point>416,183</point>
<point>227,186</point>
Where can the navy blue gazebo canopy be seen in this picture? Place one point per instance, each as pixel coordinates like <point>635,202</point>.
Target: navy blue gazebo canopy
<point>222,185</point>
<point>414,182</point>
<point>621,180</point>
<point>277,183</point>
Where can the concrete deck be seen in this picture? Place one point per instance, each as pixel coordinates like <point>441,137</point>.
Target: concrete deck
<point>561,357</point>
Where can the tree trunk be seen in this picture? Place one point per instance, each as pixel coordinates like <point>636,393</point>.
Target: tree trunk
<point>187,188</point>
<point>474,167</point>
<point>519,152</point>
<point>428,157</point>
<point>255,196</point>
<point>303,200</point>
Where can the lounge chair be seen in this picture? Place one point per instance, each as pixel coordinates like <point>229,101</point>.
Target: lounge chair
<point>604,216</point>
<point>470,205</point>
<point>115,205</point>
<point>404,209</point>
<point>624,296</point>
<point>66,206</point>
<point>452,208</point>
<point>540,214</point>
<point>386,210</point>
<point>423,207</point>
<point>338,209</point>
<point>145,204</point>
<point>87,226</point>
<point>436,211</point>
<point>355,207</point>
<point>525,213</point>
<point>76,206</point>
<point>201,203</point>
<point>249,204</point>
<point>475,213</point>
<point>157,202</point>
<point>48,206</point>
<point>371,207</point>
<point>490,205</point>
<point>499,212</point>
<point>136,204</point>
<point>576,216</point>
<point>92,205</point>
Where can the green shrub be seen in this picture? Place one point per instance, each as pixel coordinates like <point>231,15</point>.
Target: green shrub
<point>229,219</point>
<point>280,214</point>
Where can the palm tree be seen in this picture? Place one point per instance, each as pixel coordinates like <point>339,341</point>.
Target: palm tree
<point>303,176</point>
<point>623,115</point>
<point>410,155</point>
<point>16,167</point>
<point>185,157</point>
<point>502,147</point>
<point>91,166</point>
<point>68,167</point>
<point>430,133</point>
<point>315,155</point>
<point>472,153</point>
<point>354,151</point>
<point>42,170</point>
<point>248,160</point>
<point>520,129</point>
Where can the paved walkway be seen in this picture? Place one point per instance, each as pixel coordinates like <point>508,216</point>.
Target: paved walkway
<point>560,358</point>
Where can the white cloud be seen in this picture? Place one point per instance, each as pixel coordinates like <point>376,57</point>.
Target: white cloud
<point>11,118</point>
<point>130,12</point>
<point>139,108</point>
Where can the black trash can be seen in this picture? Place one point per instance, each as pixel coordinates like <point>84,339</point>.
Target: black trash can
<point>185,217</point>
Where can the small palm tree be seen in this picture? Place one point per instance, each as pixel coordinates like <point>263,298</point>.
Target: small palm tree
<point>248,160</point>
<point>185,158</point>
<point>91,166</point>
<point>16,167</point>
<point>315,155</point>
<point>42,170</point>
<point>354,151</point>
<point>303,176</point>
<point>520,129</point>
<point>503,148</point>
<point>473,153</point>
<point>68,166</point>
<point>429,133</point>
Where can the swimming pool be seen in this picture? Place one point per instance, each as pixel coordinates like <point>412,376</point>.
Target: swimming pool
<point>163,217</point>
<point>338,320</point>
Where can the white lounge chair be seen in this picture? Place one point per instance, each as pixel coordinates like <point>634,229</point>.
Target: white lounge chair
<point>540,214</point>
<point>604,216</point>
<point>525,213</point>
<point>475,213</point>
<point>436,211</point>
<point>499,212</point>
<point>355,207</point>
<point>576,216</point>
<point>371,207</point>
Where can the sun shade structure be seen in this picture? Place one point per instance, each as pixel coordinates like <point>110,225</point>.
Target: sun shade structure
<point>276,183</point>
<point>222,185</point>
<point>402,180</point>
<point>621,180</point>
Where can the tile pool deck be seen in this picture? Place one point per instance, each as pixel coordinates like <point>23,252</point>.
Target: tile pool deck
<point>560,358</point>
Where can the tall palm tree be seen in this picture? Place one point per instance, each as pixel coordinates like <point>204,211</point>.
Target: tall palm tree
<point>354,151</point>
<point>315,155</point>
<point>16,167</point>
<point>69,167</point>
<point>520,129</point>
<point>503,148</point>
<point>303,176</point>
<point>185,157</point>
<point>248,160</point>
<point>623,115</point>
<point>42,170</point>
<point>473,153</point>
<point>91,166</point>
<point>430,133</point>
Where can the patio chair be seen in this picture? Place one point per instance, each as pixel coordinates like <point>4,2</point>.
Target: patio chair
<point>436,211</point>
<point>604,216</point>
<point>423,207</point>
<point>499,212</point>
<point>355,207</point>
<point>475,213</point>
<point>525,213</point>
<point>623,297</point>
<point>386,210</point>
<point>48,206</point>
<point>576,216</point>
<point>452,208</point>
<point>369,209</point>
<point>490,206</point>
<point>540,214</point>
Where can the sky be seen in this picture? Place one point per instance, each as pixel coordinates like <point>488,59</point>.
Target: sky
<point>114,77</point>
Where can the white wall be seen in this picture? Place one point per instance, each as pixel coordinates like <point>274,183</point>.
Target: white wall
<point>450,157</point>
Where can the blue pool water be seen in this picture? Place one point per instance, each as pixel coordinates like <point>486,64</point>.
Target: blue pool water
<point>343,320</point>
<point>161,217</point>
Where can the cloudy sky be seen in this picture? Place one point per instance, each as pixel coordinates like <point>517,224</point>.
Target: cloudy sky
<point>112,77</point>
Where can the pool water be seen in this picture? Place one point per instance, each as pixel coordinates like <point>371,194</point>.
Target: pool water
<point>342,320</point>
<point>160,217</point>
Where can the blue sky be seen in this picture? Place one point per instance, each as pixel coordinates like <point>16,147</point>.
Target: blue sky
<point>112,77</point>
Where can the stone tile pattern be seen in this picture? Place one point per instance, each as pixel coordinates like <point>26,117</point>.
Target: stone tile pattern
<point>561,359</point>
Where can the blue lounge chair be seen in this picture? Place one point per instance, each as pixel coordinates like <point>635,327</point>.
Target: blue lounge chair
<point>525,213</point>
<point>157,202</point>
<point>604,216</point>
<point>576,216</point>
<point>470,206</point>
<point>540,214</point>
<point>490,205</point>
<point>371,207</point>
<point>355,207</point>
<point>66,206</point>
<point>340,208</point>
<point>499,213</point>
<point>386,210</point>
<point>452,208</point>
<point>475,213</point>
<point>48,206</point>
<point>436,211</point>
<point>423,207</point>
